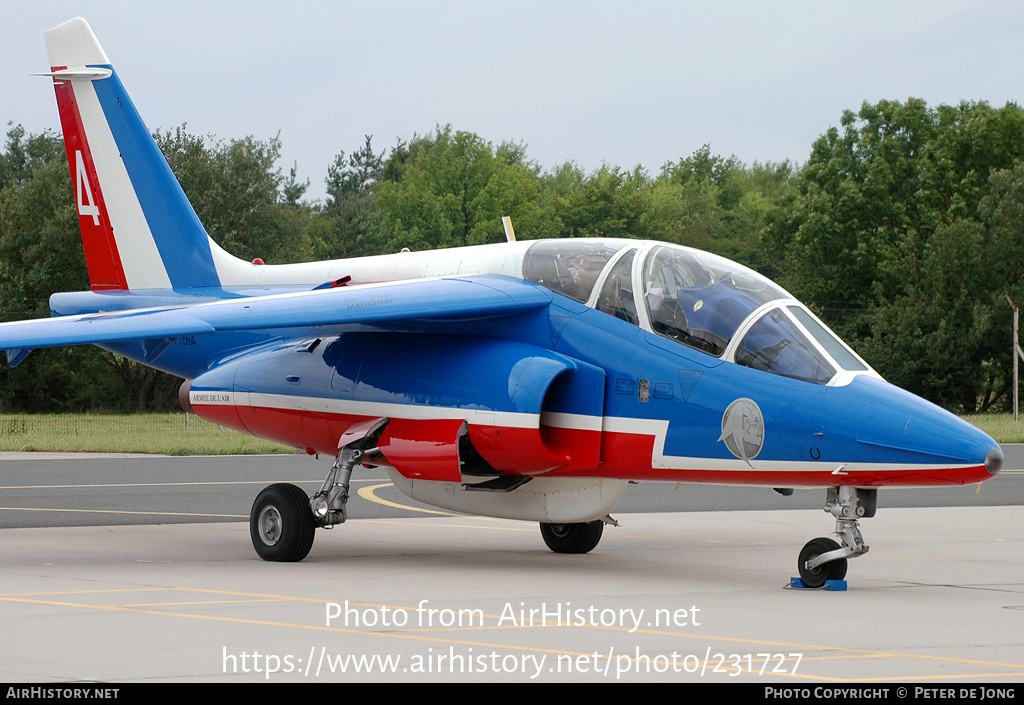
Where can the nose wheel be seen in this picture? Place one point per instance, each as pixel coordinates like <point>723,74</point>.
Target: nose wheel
<point>823,559</point>
<point>823,572</point>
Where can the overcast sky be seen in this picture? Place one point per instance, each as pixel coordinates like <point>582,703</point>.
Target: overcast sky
<point>625,83</point>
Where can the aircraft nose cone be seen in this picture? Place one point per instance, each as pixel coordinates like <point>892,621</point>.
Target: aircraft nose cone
<point>994,461</point>
<point>912,430</point>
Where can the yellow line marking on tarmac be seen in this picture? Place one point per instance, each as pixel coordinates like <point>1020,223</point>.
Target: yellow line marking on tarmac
<point>340,630</point>
<point>92,592</point>
<point>123,511</point>
<point>166,484</point>
<point>512,524</point>
<point>254,598</point>
<point>368,493</point>
<point>197,603</point>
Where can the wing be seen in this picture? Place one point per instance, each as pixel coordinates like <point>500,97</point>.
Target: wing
<point>453,299</point>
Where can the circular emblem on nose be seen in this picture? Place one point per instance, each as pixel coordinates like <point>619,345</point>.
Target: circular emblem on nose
<point>743,429</point>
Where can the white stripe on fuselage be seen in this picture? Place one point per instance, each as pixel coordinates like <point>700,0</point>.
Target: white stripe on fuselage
<point>658,429</point>
<point>325,405</point>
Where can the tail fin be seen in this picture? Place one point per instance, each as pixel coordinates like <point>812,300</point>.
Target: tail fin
<point>138,228</point>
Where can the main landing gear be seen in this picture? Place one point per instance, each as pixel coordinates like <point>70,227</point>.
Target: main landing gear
<point>283,519</point>
<point>823,559</point>
<point>572,538</point>
<point>280,524</point>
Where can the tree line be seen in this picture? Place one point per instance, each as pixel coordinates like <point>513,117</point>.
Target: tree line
<point>902,230</point>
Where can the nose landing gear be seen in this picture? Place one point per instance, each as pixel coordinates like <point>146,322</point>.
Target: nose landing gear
<point>823,559</point>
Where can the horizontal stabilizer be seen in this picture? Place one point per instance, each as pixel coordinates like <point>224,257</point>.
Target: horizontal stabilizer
<point>88,73</point>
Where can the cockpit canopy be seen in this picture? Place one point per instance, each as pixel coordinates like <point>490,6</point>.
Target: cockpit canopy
<point>699,300</point>
<point>569,267</point>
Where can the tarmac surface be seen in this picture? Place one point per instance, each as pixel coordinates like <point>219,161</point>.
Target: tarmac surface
<point>152,578</point>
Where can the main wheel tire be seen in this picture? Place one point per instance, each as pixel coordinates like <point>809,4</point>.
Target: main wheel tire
<point>816,577</point>
<point>572,538</point>
<point>281,524</point>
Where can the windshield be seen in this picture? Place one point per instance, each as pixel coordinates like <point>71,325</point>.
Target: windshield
<point>828,340</point>
<point>775,344</point>
<point>699,299</point>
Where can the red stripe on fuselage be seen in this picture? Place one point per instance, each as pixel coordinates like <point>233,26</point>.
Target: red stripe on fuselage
<point>626,456</point>
<point>101,256</point>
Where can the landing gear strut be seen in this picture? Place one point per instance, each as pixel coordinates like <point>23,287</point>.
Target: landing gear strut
<point>823,559</point>
<point>329,505</point>
<point>283,520</point>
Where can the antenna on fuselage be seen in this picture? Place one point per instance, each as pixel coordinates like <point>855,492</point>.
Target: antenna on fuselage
<point>510,234</point>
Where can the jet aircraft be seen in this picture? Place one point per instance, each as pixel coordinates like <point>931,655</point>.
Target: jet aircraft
<point>529,380</point>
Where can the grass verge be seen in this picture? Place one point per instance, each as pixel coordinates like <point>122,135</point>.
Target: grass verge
<point>1000,426</point>
<point>168,434</point>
